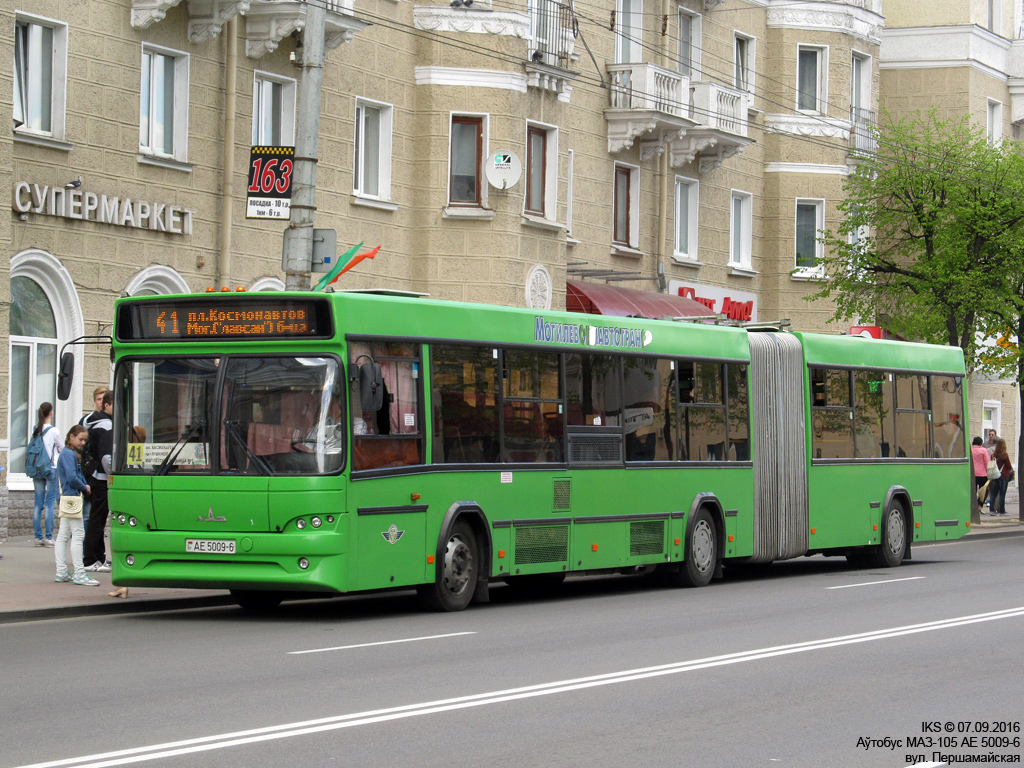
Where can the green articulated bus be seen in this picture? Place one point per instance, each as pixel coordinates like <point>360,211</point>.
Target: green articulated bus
<point>297,443</point>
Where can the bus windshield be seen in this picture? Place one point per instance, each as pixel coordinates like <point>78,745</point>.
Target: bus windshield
<point>229,415</point>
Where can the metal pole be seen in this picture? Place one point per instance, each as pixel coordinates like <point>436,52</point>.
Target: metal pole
<point>298,238</point>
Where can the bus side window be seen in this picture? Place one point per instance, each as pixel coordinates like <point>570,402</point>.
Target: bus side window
<point>391,436</point>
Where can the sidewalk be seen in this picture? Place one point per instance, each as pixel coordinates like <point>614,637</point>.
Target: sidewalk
<point>28,591</point>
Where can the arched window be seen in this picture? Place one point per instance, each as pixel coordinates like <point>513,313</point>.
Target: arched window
<point>33,342</point>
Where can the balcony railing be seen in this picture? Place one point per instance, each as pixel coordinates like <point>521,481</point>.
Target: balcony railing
<point>719,107</point>
<point>642,86</point>
<point>863,139</point>
<point>551,34</point>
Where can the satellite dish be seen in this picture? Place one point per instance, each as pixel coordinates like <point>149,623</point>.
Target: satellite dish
<point>503,169</point>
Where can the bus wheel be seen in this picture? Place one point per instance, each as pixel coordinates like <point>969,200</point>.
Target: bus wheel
<point>701,553</point>
<point>454,588</point>
<point>894,538</point>
<point>256,601</point>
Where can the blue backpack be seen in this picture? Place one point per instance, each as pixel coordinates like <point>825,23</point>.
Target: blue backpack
<point>38,464</point>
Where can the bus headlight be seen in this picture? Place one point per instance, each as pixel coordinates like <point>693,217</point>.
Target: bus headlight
<point>300,523</point>
<point>121,519</point>
<point>303,563</point>
<point>130,559</point>
<point>132,522</point>
<point>316,522</point>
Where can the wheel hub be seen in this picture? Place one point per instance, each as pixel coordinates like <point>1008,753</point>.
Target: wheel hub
<point>458,565</point>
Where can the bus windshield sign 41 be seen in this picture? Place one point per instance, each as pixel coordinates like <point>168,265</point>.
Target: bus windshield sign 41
<point>224,320</point>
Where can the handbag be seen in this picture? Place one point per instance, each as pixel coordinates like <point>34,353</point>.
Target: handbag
<point>993,470</point>
<point>70,506</point>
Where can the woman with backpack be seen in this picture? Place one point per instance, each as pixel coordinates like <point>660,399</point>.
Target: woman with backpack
<point>45,484</point>
<point>72,486</point>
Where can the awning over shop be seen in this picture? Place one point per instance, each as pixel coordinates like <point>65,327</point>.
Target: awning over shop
<point>597,299</point>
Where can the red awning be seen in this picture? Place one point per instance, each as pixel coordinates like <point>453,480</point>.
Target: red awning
<point>598,299</point>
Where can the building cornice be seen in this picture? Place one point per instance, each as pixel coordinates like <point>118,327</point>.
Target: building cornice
<point>859,19</point>
<point>442,19</point>
<point>822,168</point>
<point>808,125</point>
<point>477,78</point>
<point>958,46</point>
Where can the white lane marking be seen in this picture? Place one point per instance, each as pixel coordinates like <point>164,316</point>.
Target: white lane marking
<point>872,583</point>
<point>382,642</point>
<point>320,725</point>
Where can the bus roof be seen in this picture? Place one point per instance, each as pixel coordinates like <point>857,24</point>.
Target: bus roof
<point>857,351</point>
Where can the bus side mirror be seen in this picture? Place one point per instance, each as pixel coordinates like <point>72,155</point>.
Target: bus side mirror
<point>371,386</point>
<point>66,374</point>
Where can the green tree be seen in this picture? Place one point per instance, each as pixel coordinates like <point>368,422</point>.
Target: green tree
<point>945,211</point>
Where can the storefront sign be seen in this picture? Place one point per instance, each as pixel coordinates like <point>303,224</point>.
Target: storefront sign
<point>79,204</point>
<point>736,305</point>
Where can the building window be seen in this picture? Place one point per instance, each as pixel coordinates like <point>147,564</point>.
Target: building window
<point>686,219</point>
<point>994,122</point>
<point>689,44</point>
<point>273,111</point>
<point>810,220</point>
<point>741,230</point>
<point>860,84</point>
<point>628,23</point>
<point>40,65</point>
<point>569,171</point>
<point>33,341</point>
<point>467,143</point>
<point>372,163</point>
<point>163,110</point>
<point>743,63</point>
<point>626,206</point>
<point>811,78</point>
<point>541,165</point>
<point>992,20</point>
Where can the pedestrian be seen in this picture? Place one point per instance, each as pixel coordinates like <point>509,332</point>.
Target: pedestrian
<point>97,398</point>
<point>72,486</point>
<point>101,441</point>
<point>1005,476</point>
<point>990,442</point>
<point>45,487</point>
<point>979,457</point>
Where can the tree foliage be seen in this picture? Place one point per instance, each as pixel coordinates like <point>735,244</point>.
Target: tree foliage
<point>945,212</point>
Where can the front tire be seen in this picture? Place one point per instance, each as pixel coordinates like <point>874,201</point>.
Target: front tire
<point>453,590</point>
<point>894,538</point>
<point>701,554</point>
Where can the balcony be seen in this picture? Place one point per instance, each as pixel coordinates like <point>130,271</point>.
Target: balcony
<point>720,114</point>
<point>863,139</point>
<point>267,22</point>
<point>646,99</point>
<point>552,46</point>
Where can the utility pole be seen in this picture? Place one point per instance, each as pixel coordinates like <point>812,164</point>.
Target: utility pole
<point>298,238</point>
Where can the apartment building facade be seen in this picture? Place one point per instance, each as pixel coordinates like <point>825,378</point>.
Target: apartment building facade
<point>688,146</point>
<point>961,58</point>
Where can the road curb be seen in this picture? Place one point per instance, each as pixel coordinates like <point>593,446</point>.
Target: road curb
<point>113,608</point>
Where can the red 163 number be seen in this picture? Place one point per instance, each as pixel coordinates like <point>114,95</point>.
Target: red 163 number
<point>270,174</point>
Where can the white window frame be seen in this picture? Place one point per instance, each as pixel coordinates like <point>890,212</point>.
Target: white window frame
<point>821,81</point>
<point>633,214</point>
<point>741,253</point>
<point>686,252</point>
<point>692,70</point>
<point>807,273</point>
<point>550,181</point>
<point>385,140</point>
<point>262,83</point>
<point>629,32</point>
<point>58,81</point>
<point>179,126</point>
<point>569,183</point>
<point>863,94</point>
<point>994,12</point>
<point>994,121</point>
<point>995,407</point>
<point>748,69</point>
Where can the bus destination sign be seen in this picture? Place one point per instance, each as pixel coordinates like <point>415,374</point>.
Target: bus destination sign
<point>218,320</point>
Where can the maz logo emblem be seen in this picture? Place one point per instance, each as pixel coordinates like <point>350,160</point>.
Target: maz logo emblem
<point>212,518</point>
<point>392,534</point>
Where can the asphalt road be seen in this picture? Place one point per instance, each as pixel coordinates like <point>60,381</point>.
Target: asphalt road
<point>796,667</point>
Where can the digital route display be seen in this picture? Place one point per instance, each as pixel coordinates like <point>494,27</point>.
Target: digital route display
<point>233,319</point>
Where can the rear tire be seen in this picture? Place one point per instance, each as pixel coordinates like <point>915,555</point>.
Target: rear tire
<point>701,553</point>
<point>894,538</point>
<point>256,601</point>
<point>454,588</point>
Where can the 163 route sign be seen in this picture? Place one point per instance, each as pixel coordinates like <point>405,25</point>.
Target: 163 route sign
<point>270,182</point>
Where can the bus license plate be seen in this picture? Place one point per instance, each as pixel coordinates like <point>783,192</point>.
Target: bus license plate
<point>210,546</point>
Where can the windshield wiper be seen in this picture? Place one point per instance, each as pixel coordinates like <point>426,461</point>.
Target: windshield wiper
<point>235,434</point>
<point>188,434</point>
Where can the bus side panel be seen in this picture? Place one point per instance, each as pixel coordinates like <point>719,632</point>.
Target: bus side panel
<point>840,499</point>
